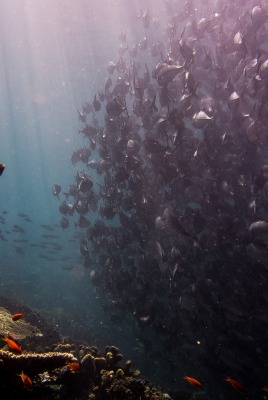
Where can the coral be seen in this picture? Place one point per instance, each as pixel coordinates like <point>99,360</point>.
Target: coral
<point>99,377</point>
<point>121,388</point>
<point>33,362</point>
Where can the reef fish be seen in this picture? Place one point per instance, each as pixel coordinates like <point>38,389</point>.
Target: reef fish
<point>12,345</point>
<point>73,366</point>
<point>17,316</point>
<point>237,385</point>
<point>27,382</point>
<point>194,382</point>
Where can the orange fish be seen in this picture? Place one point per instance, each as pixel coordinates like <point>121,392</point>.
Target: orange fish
<point>265,389</point>
<point>27,382</point>
<point>73,366</point>
<point>237,385</point>
<point>194,382</point>
<point>13,345</point>
<point>17,316</point>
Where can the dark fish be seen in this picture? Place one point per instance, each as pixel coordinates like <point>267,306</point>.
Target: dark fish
<point>84,248</point>
<point>2,237</point>
<point>17,228</point>
<point>115,108</point>
<point>46,227</point>
<point>82,116</point>
<point>173,224</point>
<point>167,73</point>
<point>259,231</point>
<point>56,189</point>
<point>85,183</point>
<point>96,104</point>
<point>233,101</point>
<point>201,119</point>
<point>108,84</point>
<point>50,236</point>
<point>2,168</point>
<point>66,208</point>
<point>83,222</point>
<point>64,223</point>
<point>263,70</point>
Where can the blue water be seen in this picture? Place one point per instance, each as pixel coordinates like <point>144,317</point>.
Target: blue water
<point>54,57</point>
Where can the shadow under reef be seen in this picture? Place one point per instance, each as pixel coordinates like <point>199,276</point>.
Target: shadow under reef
<point>50,367</point>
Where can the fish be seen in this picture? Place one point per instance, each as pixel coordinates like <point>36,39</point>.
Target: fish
<point>96,104</point>
<point>194,382</point>
<point>17,228</point>
<point>2,168</point>
<point>73,366</point>
<point>56,189</point>
<point>236,385</point>
<point>173,224</point>
<point>13,345</point>
<point>47,227</point>
<point>50,236</point>
<point>259,231</point>
<point>17,316</point>
<point>176,217</point>
<point>167,73</point>
<point>64,223</point>
<point>26,380</point>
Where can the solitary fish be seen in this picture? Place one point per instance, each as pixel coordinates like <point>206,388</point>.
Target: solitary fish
<point>27,382</point>
<point>2,167</point>
<point>194,382</point>
<point>73,366</point>
<point>17,316</point>
<point>237,385</point>
<point>12,345</point>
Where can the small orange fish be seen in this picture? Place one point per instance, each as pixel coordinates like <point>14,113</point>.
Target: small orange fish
<point>73,366</point>
<point>194,382</point>
<point>27,382</point>
<point>265,389</point>
<point>13,345</point>
<point>237,385</point>
<point>17,316</point>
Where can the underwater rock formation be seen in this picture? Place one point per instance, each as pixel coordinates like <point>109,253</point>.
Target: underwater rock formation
<point>20,329</point>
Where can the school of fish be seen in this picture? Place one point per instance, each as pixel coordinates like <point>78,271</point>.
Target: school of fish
<point>171,191</point>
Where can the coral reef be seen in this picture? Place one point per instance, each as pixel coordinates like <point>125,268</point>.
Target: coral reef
<point>68,371</point>
<point>99,377</point>
<point>35,362</point>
